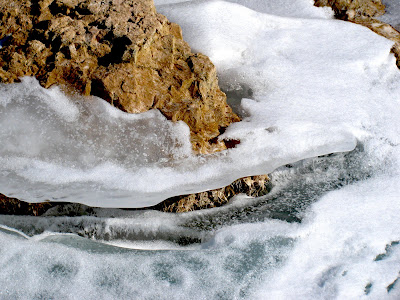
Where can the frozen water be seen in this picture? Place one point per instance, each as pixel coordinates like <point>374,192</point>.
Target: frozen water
<point>307,100</point>
<point>346,242</point>
<point>329,229</point>
<point>349,241</point>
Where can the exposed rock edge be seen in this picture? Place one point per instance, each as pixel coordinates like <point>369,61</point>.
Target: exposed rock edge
<point>253,186</point>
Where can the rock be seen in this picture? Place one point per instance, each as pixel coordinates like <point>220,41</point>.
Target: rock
<point>126,53</point>
<point>351,9</point>
<point>251,186</point>
<point>122,51</point>
<point>13,206</point>
<point>254,186</point>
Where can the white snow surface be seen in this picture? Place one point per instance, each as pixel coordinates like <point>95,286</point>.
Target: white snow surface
<point>342,247</point>
<point>284,8</point>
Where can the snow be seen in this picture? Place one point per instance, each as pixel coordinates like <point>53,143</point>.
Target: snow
<point>283,8</point>
<point>310,85</point>
<point>313,90</point>
<point>339,247</point>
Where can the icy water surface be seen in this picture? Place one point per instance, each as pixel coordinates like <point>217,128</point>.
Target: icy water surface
<point>225,253</point>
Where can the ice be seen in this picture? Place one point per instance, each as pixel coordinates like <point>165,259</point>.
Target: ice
<point>349,242</point>
<point>236,251</point>
<point>74,268</point>
<point>312,90</point>
<point>320,111</point>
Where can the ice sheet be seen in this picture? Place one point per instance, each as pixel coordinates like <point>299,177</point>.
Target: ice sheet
<point>344,248</point>
<point>73,268</point>
<point>314,91</point>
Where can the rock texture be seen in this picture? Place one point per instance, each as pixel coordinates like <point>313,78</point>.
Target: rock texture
<point>252,186</point>
<point>351,9</point>
<point>364,12</point>
<point>120,50</point>
<point>13,206</point>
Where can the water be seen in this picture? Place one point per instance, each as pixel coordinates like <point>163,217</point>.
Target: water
<point>228,252</point>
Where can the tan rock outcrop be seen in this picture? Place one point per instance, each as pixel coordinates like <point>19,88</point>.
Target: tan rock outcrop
<point>350,9</point>
<point>252,186</point>
<point>122,51</point>
<point>126,53</point>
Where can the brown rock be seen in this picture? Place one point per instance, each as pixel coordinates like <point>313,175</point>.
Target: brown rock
<point>252,186</point>
<point>350,9</point>
<point>12,206</point>
<point>126,53</point>
<point>122,51</point>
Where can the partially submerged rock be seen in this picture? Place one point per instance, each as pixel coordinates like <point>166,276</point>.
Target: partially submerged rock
<point>13,206</point>
<point>122,51</point>
<point>251,186</point>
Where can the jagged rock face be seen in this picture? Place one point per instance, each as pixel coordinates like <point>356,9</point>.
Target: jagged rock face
<point>253,186</point>
<point>12,206</point>
<point>120,50</point>
<point>350,9</point>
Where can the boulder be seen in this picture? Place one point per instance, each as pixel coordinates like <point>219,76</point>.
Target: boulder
<point>122,51</point>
